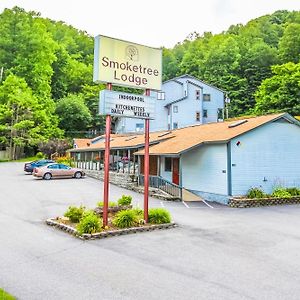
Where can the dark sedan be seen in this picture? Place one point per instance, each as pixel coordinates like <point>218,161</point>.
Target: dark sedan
<point>28,167</point>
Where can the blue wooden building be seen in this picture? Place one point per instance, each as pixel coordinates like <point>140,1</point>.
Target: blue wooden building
<point>183,101</point>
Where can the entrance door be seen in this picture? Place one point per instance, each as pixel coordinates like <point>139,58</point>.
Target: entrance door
<point>175,173</point>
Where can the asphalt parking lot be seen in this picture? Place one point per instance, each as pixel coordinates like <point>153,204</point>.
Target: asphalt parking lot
<point>215,253</point>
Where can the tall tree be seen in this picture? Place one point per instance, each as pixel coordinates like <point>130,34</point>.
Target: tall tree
<point>24,122</point>
<point>281,92</point>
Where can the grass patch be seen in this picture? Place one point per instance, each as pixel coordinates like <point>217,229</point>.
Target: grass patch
<point>5,296</point>
<point>25,159</point>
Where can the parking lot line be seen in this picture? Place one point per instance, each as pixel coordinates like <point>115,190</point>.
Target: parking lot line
<point>185,204</point>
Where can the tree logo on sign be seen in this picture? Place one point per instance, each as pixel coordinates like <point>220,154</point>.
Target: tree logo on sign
<point>132,53</point>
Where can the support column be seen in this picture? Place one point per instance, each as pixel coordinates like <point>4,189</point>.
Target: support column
<point>146,166</point>
<point>106,166</point>
<point>128,155</point>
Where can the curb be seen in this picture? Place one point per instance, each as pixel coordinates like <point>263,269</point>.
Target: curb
<point>110,233</point>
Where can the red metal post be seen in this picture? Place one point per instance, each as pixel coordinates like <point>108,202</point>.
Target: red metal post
<point>106,165</point>
<point>146,166</point>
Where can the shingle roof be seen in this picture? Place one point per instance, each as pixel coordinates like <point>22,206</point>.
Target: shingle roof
<point>181,140</point>
<point>126,141</point>
<point>81,143</point>
<point>187,138</point>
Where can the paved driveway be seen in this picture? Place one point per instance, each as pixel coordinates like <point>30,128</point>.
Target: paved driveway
<point>218,253</point>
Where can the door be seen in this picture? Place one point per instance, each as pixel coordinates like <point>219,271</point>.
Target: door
<point>175,171</point>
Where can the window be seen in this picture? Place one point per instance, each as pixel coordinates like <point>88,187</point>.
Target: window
<point>198,116</point>
<point>197,94</point>
<point>168,164</point>
<point>139,127</point>
<point>53,166</point>
<point>160,95</point>
<point>175,109</point>
<point>206,97</point>
<point>64,167</point>
<point>220,114</point>
<point>204,113</point>
<point>175,125</point>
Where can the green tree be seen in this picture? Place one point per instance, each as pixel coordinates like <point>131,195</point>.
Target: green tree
<point>74,114</point>
<point>27,49</point>
<point>281,92</point>
<point>23,120</point>
<point>289,45</point>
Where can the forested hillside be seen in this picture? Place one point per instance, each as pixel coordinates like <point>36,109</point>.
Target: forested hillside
<point>240,59</point>
<point>46,88</point>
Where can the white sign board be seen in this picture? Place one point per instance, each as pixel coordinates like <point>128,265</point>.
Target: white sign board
<point>127,64</point>
<point>126,105</point>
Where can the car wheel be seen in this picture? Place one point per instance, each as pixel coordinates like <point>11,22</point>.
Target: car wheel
<point>78,175</point>
<point>47,176</point>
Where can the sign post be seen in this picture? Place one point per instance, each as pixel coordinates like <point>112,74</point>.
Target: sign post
<point>146,166</point>
<point>131,65</point>
<point>106,165</point>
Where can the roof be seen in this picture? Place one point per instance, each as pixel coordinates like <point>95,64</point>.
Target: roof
<point>195,78</point>
<point>129,141</point>
<point>175,142</point>
<point>81,143</point>
<point>185,139</point>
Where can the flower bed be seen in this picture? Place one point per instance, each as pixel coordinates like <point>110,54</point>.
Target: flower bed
<point>122,219</point>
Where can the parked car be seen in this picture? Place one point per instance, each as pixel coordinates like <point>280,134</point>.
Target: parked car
<point>57,170</point>
<point>28,167</point>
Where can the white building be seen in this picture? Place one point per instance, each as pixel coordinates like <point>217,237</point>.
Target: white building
<point>183,101</point>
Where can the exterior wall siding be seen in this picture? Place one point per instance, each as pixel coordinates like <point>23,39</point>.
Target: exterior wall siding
<point>187,109</point>
<point>204,169</point>
<point>266,157</point>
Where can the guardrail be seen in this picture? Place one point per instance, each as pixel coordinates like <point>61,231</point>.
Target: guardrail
<point>162,184</point>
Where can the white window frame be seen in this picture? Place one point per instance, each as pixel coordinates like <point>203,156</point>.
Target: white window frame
<point>161,96</point>
<point>175,109</point>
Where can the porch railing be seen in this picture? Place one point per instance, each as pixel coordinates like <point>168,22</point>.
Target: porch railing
<point>162,184</point>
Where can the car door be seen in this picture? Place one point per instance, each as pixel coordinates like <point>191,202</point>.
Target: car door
<point>65,171</point>
<point>54,170</point>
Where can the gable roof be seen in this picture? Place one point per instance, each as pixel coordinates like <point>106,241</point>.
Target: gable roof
<point>195,78</point>
<point>185,139</point>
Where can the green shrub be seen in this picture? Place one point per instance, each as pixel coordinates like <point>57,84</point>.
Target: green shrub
<point>40,155</point>
<point>89,223</point>
<point>125,218</point>
<point>255,193</point>
<point>6,296</point>
<point>110,204</point>
<point>75,213</point>
<point>159,216</point>
<point>139,212</point>
<point>125,200</point>
<point>281,193</point>
<point>65,160</point>
<point>293,191</point>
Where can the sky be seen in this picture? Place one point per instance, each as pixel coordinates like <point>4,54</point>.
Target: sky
<point>153,23</point>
